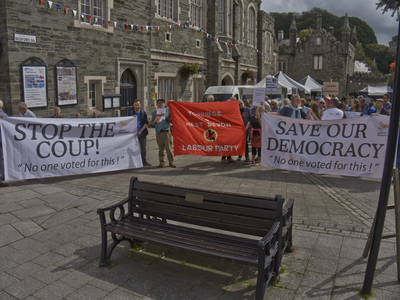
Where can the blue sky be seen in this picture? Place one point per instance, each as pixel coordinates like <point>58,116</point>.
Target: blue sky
<point>385,26</point>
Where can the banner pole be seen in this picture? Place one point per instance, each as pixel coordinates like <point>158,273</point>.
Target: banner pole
<point>386,179</point>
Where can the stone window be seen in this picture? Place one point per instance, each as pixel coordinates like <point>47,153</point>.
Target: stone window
<point>168,37</point>
<point>167,88</point>
<point>94,14</point>
<point>221,16</point>
<point>267,47</point>
<point>318,62</point>
<point>318,41</point>
<point>198,43</point>
<point>196,10</point>
<point>282,66</point>
<point>167,9</point>
<point>95,90</point>
<point>252,26</point>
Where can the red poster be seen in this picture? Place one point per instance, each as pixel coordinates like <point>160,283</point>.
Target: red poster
<point>211,129</point>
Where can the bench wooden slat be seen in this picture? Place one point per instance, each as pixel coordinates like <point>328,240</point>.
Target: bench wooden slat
<point>200,240</point>
<point>242,210</point>
<point>189,245</point>
<point>248,201</point>
<point>203,214</point>
<point>207,223</point>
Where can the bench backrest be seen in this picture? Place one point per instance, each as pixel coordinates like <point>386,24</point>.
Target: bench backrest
<point>231,212</point>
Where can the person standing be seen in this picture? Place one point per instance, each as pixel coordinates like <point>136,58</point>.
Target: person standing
<point>293,110</point>
<point>57,113</point>
<point>245,112</point>
<point>210,98</point>
<point>142,132</point>
<point>161,122</point>
<point>3,115</point>
<point>254,124</point>
<point>333,113</point>
<point>380,110</point>
<point>24,111</point>
<point>386,103</point>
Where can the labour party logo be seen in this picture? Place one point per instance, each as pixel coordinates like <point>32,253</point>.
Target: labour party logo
<point>210,135</point>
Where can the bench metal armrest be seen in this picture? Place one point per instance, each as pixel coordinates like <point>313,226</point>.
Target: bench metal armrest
<point>120,207</point>
<point>272,234</point>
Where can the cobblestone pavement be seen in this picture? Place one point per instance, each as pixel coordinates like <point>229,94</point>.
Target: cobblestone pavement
<point>50,238</point>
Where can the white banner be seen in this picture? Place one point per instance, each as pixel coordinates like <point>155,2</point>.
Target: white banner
<point>36,148</point>
<point>350,147</point>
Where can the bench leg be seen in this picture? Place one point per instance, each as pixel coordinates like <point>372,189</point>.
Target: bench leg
<point>106,254</point>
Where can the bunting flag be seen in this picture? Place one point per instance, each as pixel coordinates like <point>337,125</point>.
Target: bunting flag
<point>186,24</point>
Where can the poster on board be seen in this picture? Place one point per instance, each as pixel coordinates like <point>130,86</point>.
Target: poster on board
<point>34,86</point>
<point>66,85</point>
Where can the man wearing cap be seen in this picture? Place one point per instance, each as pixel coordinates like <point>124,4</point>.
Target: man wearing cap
<point>163,134</point>
<point>380,110</point>
<point>246,101</point>
<point>333,113</point>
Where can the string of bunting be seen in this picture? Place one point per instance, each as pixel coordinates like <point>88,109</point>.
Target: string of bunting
<point>187,24</point>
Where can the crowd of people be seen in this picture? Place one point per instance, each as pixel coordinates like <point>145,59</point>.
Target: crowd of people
<point>321,108</point>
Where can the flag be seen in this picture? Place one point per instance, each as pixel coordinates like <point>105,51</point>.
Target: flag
<point>210,129</point>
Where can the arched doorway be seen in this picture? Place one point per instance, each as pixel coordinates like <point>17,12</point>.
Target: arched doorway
<point>128,92</point>
<point>227,80</point>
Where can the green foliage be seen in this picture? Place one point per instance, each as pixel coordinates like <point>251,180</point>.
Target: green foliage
<point>382,56</point>
<point>307,19</point>
<point>189,69</point>
<point>248,74</point>
<point>387,5</point>
<point>304,33</point>
<point>360,54</point>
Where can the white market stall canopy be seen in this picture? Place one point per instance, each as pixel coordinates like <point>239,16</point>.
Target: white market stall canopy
<point>376,90</point>
<point>282,90</point>
<point>287,81</point>
<point>309,82</point>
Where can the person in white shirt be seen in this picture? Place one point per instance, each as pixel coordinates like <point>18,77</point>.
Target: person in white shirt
<point>333,113</point>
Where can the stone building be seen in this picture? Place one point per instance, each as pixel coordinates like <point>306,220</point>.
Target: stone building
<point>319,54</point>
<point>132,48</point>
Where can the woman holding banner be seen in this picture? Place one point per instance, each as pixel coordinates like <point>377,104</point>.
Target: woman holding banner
<point>254,125</point>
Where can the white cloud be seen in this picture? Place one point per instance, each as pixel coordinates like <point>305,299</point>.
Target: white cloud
<point>385,26</point>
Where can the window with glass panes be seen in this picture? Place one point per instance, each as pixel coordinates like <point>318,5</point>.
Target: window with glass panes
<point>93,8</point>
<point>318,62</point>
<point>92,95</point>
<point>251,26</point>
<point>166,9</point>
<point>197,12</point>
<point>221,16</point>
<point>282,66</point>
<point>166,88</point>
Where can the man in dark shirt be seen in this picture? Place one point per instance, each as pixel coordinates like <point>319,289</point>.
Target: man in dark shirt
<point>142,132</point>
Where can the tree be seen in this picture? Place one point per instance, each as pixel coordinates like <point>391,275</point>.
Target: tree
<point>381,54</point>
<point>304,33</point>
<point>308,19</point>
<point>360,54</point>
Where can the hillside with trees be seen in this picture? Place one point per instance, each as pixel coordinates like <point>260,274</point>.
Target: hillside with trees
<point>368,48</point>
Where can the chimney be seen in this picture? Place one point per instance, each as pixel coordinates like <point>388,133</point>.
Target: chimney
<point>280,35</point>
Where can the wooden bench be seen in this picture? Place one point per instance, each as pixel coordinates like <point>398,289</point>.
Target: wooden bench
<point>244,229</point>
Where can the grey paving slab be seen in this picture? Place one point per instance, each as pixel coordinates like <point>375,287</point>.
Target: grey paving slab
<point>332,216</point>
<point>9,235</point>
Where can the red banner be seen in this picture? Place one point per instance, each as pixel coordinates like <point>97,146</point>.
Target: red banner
<point>210,129</point>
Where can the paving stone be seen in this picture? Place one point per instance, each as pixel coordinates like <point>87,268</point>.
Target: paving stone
<point>24,288</point>
<point>47,259</point>
<point>87,292</point>
<point>24,270</point>
<point>54,291</point>
<point>7,280</point>
<point>8,235</point>
<point>7,218</point>
<point>27,227</point>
